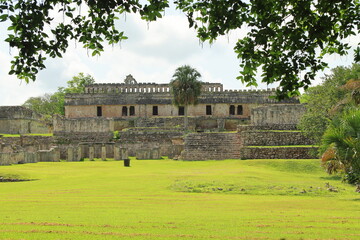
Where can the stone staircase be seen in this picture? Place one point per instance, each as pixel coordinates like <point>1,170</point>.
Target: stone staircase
<point>211,146</point>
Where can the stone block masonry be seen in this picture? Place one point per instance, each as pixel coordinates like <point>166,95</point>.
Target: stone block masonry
<point>51,155</point>
<point>258,143</point>
<point>278,152</point>
<point>131,100</point>
<point>285,115</point>
<point>21,120</point>
<point>26,142</point>
<point>142,142</point>
<point>211,146</point>
<point>273,138</point>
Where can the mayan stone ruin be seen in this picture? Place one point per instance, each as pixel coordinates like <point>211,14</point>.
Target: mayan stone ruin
<point>118,120</point>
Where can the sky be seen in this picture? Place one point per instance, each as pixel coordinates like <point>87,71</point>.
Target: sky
<point>151,53</point>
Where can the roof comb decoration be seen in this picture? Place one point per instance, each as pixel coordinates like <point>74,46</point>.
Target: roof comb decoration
<point>130,80</point>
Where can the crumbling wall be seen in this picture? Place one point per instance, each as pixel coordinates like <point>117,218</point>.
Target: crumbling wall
<point>93,125</point>
<point>83,130</point>
<point>279,116</point>
<point>278,152</point>
<point>21,120</point>
<point>51,155</point>
<point>137,140</point>
<point>28,143</point>
<point>211,146</point>
<point>273,138</point>
<point>194,123</point>
<point>258,143</point>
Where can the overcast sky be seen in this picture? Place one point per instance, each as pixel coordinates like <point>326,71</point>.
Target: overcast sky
<point>151,54</point>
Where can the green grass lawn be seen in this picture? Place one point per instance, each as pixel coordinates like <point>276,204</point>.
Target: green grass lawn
<point>164,199</point>
<point>28,134</point>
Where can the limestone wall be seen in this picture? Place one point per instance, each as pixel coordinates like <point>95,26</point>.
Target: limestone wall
<point>195,123</point>
<point>115,100</point>
<point>95,125</point>
<point>83,130</point>
<point>285,116</point>
<point>22,126</point>
<point>278,153</point>
<point>51,155</point>
<point>137,140</point>
<point>28,143</point>
<point>143,87</point>
<point>211,146</point>
<point>21,120</point>
<point>274,144</point>
<point>11,158</point>
<point>146,110</point>
<point>273,138</point>
<point>17,112</point>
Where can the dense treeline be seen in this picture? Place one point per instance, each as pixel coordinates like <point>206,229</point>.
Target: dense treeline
<point>333,120</point>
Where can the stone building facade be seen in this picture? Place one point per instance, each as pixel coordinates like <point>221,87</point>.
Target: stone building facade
<point>234,124</point>
<point>151,100</point>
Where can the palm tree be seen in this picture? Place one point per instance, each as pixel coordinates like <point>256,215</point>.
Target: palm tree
<point>341,143</point>
<point>186,88</point>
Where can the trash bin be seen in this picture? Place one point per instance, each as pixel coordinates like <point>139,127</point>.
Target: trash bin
<point>127,162</point>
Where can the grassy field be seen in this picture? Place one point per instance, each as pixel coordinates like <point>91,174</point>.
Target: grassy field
<point>28,134</point>
<point>164,199</point>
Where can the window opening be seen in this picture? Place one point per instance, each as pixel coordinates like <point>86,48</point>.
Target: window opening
<point>208,110</point>
<point>132,110</point>
<point>239,110</point>
<point>232,110</point>
<point>99,111</point>
<point>155,110</point>
<point>181,110</point>
<point>124,111</point>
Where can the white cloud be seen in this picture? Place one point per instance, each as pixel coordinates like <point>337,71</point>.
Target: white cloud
<point>151,54</point>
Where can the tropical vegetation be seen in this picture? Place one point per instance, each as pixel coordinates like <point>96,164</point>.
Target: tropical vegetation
<point>328,100</point>
<point>286,39</point>
<point>341,146</point>
<point>332,119</point>
<point>185,88</point>
<point>51,104</point>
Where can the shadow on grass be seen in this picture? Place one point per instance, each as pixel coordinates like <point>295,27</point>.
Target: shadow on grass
<point>334,177</point>
<point>14,179</point>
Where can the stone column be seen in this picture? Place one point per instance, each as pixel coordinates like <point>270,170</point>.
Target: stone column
<point>221,124</point>
<point>155,153</point>
<point>123,153</point>
<point>103,152</point>
<point>70,154</point>
<point>79,153</point>
<point>117,152</point>
<point>56,153</point>
<point>91,152</point>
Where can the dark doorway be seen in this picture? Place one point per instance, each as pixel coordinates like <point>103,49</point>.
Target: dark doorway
<point>239,110</point>
<point>181,111</point>
<point>208,110</point>
<point>99,111</point>
<point>124,111</point>
<point>132,110</point>
<point>155,111</point>
<point>232,110</point>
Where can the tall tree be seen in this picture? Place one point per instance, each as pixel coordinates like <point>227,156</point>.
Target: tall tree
<point>341,146</point>
<point>186,88</point>
<point>77,84</point>
<point>50,104</point>
<point>327,100</point>
<point>287,39</point>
